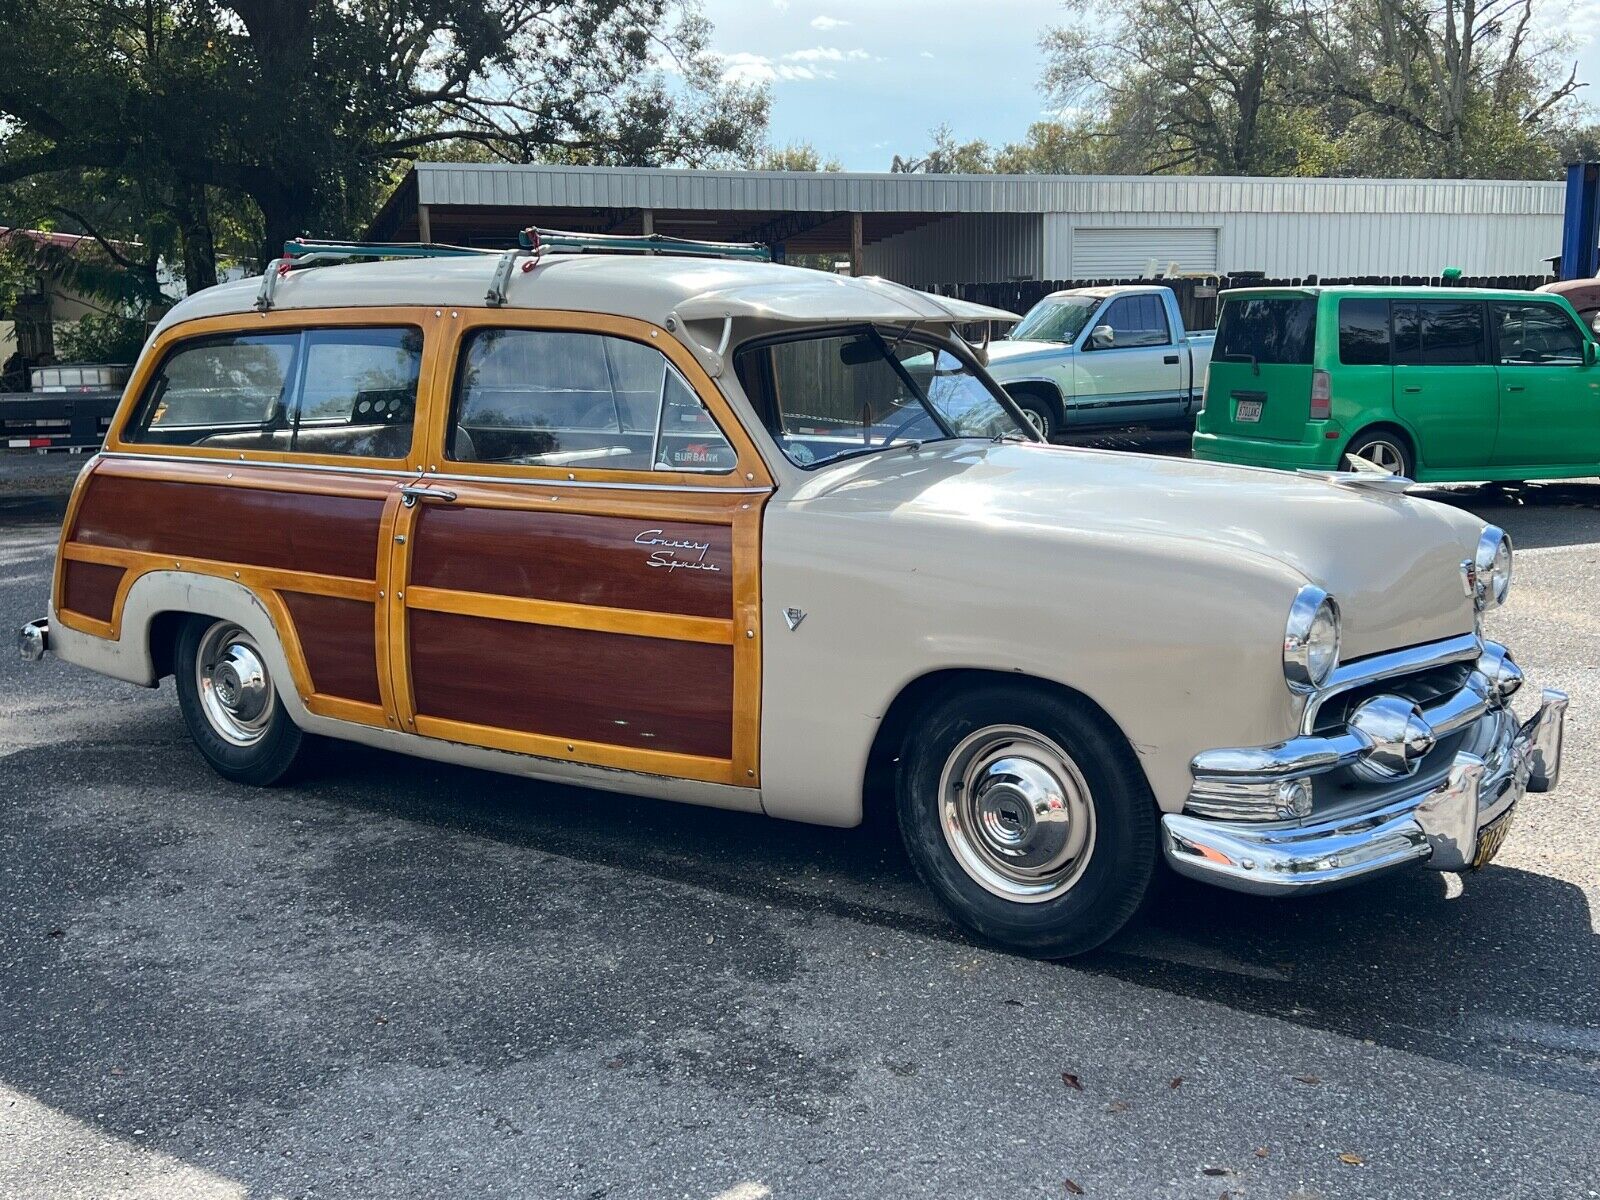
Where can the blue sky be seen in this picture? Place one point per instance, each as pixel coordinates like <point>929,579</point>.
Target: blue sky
<point>863,80</point>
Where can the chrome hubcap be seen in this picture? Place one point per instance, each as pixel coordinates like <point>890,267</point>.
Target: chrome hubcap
<point>236,693</point>
<point>1017,814</point>
<point>1385,456</point>
<point>1037,420</point>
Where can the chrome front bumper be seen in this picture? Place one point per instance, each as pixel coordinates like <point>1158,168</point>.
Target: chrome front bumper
<point>1452,825</point>
<point>33,640</point>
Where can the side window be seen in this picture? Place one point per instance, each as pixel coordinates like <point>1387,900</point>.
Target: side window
<point>1407,334</point>
<point>1364,332</point>
<point>1452,333</point>
<point>358,392</point>
<point>1138,321</point>
<point>321,391</point>
<point>1531,334</point>
<point>235,385</point>
<point>537,397</point>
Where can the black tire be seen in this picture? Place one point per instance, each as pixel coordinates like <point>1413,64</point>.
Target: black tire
<point>1040,412</point>
<point>1110,880</point>
<point>1384,446</point>
<point>276,746</point>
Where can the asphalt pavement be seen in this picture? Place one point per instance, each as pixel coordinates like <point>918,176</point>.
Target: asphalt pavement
<point>398,979</point>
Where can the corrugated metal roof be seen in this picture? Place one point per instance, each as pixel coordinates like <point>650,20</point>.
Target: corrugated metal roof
<point>493,185</point>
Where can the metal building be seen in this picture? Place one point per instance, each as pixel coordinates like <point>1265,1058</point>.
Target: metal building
<point>932,229</point>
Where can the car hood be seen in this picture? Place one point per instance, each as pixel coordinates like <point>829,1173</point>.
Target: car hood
<point>1392,561</point>
<point>1004,354</point>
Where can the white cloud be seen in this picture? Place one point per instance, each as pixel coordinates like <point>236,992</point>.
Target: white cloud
<point>926,54</point>
<point>830,54</point>
<point>781,5</point>
<point>825,23</point>
<point>758,68</point>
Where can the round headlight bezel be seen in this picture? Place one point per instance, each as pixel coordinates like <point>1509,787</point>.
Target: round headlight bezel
<point>1492,567</point>
<point>1311,640</point>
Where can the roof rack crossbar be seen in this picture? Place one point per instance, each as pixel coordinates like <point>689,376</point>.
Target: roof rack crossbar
<point>535,239</point>
<point>320,248</point>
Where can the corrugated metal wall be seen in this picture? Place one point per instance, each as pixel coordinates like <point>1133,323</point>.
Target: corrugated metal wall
<point>952,249</point>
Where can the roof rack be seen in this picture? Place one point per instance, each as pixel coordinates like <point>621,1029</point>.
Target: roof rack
<point>533,243</point>
<point>535,239</point>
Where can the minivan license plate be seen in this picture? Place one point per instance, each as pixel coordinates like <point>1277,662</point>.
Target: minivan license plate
<point>1247,411</point>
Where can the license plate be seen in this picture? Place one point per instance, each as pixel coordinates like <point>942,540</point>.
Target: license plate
<point>1491,837</point>
<point>1247,411</point>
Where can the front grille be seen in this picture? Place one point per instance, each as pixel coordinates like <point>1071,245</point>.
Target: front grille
<point>1421,687</point>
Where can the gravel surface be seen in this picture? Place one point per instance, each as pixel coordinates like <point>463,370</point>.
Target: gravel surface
<point>404,980</point>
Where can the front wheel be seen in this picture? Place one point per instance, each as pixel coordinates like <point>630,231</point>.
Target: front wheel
<point>1027,815</point>
<point>231,706</point>
<point>1038,412</point>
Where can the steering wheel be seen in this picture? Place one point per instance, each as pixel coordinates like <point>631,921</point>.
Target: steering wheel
<point>918,413</point>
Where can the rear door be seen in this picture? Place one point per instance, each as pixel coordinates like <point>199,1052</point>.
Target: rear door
<point>1445,387</point>
<point>580,578</point>
<point>1139,377</point>
<point>1260,378</point>
<point>1549,396</point>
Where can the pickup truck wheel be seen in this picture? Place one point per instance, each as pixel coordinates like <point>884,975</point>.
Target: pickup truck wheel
<point>1038,412</point>
<point>1028,817</point>
<point>231,705</point>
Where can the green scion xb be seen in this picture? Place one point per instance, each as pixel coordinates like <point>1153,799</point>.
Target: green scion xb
<point>1436,384</point>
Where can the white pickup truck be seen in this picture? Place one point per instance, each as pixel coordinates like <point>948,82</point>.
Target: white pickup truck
<point>1098,357</point>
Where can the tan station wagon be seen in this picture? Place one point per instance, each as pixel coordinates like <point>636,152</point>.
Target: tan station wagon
<point>686,525</point>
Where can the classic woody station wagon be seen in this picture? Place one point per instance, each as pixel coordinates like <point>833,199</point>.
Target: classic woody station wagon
<point>690,526</point>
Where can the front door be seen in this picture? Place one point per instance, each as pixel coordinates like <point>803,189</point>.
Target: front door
<point>580,578</point>
<point>1549,394</point>
<point>1139,377</point>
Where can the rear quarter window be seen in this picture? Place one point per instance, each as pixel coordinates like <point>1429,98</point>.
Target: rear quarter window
<point>1278,329</point>
<point>1364,333</point>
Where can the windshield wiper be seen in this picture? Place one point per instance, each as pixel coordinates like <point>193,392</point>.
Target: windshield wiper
<point>914,444</point>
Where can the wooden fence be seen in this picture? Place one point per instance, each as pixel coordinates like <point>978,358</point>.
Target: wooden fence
<point>1197,297</point>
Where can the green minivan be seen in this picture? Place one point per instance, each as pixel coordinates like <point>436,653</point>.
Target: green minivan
<point>1433,383</point>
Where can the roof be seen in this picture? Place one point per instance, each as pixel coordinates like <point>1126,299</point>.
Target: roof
<point>524,186</point>
<point>1120,289</point>
<point>650,288</point>
<point>1418,291</point>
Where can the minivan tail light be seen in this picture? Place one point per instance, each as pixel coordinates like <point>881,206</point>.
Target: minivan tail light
<point>1321,396</point>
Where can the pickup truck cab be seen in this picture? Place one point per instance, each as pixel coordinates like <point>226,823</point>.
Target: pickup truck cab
<point>1102,357</point>
<point>762,538</point>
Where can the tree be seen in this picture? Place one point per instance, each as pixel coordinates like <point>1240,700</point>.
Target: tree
<point>796,156</point>
<point>296,115</point>
<point>947,157</point>
<point>1461,88</point>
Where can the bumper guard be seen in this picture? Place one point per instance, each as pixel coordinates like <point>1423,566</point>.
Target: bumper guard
<point>33,640</point>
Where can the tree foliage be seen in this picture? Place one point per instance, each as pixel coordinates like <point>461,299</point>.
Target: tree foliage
<point>270,118</point>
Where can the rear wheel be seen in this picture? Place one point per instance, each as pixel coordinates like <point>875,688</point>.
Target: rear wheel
<point>231,705</point>
<point>1038,410</point>
<point>1026,814</point>
<point>1383,449</point>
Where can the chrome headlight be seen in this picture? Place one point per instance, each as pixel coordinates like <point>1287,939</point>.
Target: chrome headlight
<point>1491,569</point>
<point>1311,640</point>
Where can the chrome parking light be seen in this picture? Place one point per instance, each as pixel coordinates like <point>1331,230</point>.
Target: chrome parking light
<point>1399,738</point>
<point>1500,673</point>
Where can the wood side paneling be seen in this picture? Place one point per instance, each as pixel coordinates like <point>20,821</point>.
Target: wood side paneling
<point>623,690</point>
<point>577,558</point>
<point>91,588</point>
<point>338,639</point>
<point>320,534</point>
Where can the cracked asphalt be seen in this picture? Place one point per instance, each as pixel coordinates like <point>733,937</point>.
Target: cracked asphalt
<point>398,979</point>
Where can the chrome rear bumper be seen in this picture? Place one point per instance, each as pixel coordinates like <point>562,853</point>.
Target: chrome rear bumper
<point>33,640</point>
<point>1451,826</point>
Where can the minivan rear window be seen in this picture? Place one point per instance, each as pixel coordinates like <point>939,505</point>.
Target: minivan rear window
<point>1277,330</point>
<point>1364,333</point>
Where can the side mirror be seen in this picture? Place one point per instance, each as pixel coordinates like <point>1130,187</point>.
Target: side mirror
<point>1102,337</point>
<point>1591,353</point>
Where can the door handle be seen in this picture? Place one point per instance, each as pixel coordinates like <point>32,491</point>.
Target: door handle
<point>412,492</point>
<point>1411,389</point>
<point>1515,387</point>
<point>1171,360</point>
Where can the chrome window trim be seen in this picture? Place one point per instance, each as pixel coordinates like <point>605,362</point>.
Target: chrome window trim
<point>1409,661</point>
<point>404,473</point>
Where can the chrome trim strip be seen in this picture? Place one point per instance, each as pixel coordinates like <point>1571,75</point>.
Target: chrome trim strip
<point>390,473</point>
<point>1410,661</point>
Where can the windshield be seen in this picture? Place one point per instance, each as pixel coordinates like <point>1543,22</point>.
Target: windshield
<point>842,394</point>
<point>1056,319</point>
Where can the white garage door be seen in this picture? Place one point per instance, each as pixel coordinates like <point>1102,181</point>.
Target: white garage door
<point>1127,253</point>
